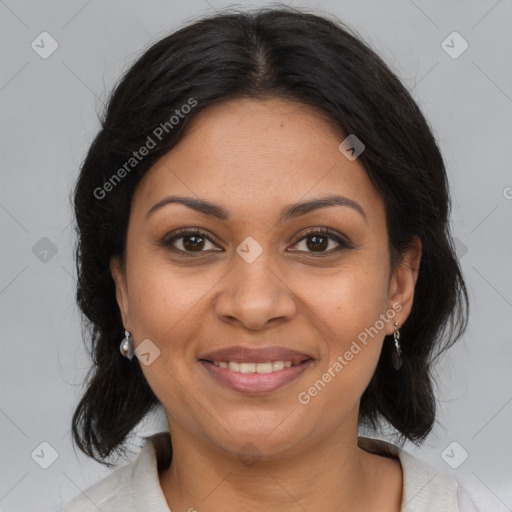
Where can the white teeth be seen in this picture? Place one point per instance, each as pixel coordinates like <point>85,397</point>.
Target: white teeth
<point>247,367</point>
<point>277,365</point>
<point>266,367</point>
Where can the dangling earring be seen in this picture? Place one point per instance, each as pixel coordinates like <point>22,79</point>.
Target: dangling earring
<point>396,356</point>
<point>126,348</point>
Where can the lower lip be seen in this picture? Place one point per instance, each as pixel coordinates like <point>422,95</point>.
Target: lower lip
<point>254,383</point>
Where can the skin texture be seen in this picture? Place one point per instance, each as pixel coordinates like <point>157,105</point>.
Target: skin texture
<point>254,157</point>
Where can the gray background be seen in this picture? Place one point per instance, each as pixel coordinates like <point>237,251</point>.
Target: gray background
<point>48,119</point>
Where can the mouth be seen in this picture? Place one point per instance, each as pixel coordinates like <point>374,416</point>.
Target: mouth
<point>247,367</point>
<point>255,371</point>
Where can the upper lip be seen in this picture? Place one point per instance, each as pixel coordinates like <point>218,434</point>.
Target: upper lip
<point>256,355</point>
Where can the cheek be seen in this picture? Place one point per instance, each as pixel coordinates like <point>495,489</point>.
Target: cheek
<point>163,299</point>
<point>352,306</point>
<point>338,382</point>
<point>351,299</point>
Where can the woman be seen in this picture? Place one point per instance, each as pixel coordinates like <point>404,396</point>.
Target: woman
<point>263,223</point>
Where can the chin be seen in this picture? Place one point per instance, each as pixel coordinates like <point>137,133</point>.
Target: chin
<point>256,437</point>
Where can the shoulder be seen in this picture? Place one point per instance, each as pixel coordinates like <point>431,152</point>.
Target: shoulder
<point>424,488</point>
<point>106,494</point>
<point>128,488</point>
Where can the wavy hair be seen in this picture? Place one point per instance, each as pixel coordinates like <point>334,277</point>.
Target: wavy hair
<point>272,52</point>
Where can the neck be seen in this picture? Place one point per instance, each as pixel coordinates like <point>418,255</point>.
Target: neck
<point>333,474</point>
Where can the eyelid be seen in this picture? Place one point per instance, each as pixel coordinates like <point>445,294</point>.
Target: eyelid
<point>340,239</point>
<point>167,240</point>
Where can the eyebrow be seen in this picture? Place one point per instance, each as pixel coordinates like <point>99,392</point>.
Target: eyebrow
<point>291,211</point>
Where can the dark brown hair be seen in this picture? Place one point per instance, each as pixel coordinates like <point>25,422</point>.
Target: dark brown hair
<point>273,52</point>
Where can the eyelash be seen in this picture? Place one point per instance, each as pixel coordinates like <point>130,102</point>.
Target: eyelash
<point>324,232</point>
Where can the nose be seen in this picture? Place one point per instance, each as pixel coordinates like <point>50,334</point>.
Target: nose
<point>255,295</point>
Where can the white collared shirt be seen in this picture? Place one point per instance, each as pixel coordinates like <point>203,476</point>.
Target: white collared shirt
<point>135,487</point>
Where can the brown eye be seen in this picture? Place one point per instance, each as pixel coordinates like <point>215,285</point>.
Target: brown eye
<point>318,241</point>
<point>188,241</point>
<point>193,243</point>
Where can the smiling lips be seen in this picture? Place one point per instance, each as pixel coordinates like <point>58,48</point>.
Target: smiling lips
<point>266,367</point>
<point>255,370</point>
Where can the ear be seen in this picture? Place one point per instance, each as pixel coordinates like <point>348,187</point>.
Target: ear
<point>119,276</point>
<point>403,282</point>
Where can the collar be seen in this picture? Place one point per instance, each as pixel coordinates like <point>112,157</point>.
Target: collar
<point>424,488</point>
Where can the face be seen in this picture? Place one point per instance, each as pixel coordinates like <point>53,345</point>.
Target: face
<point>256,282</point>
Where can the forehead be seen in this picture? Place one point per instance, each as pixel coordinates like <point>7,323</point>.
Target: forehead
<point>255,153</point>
